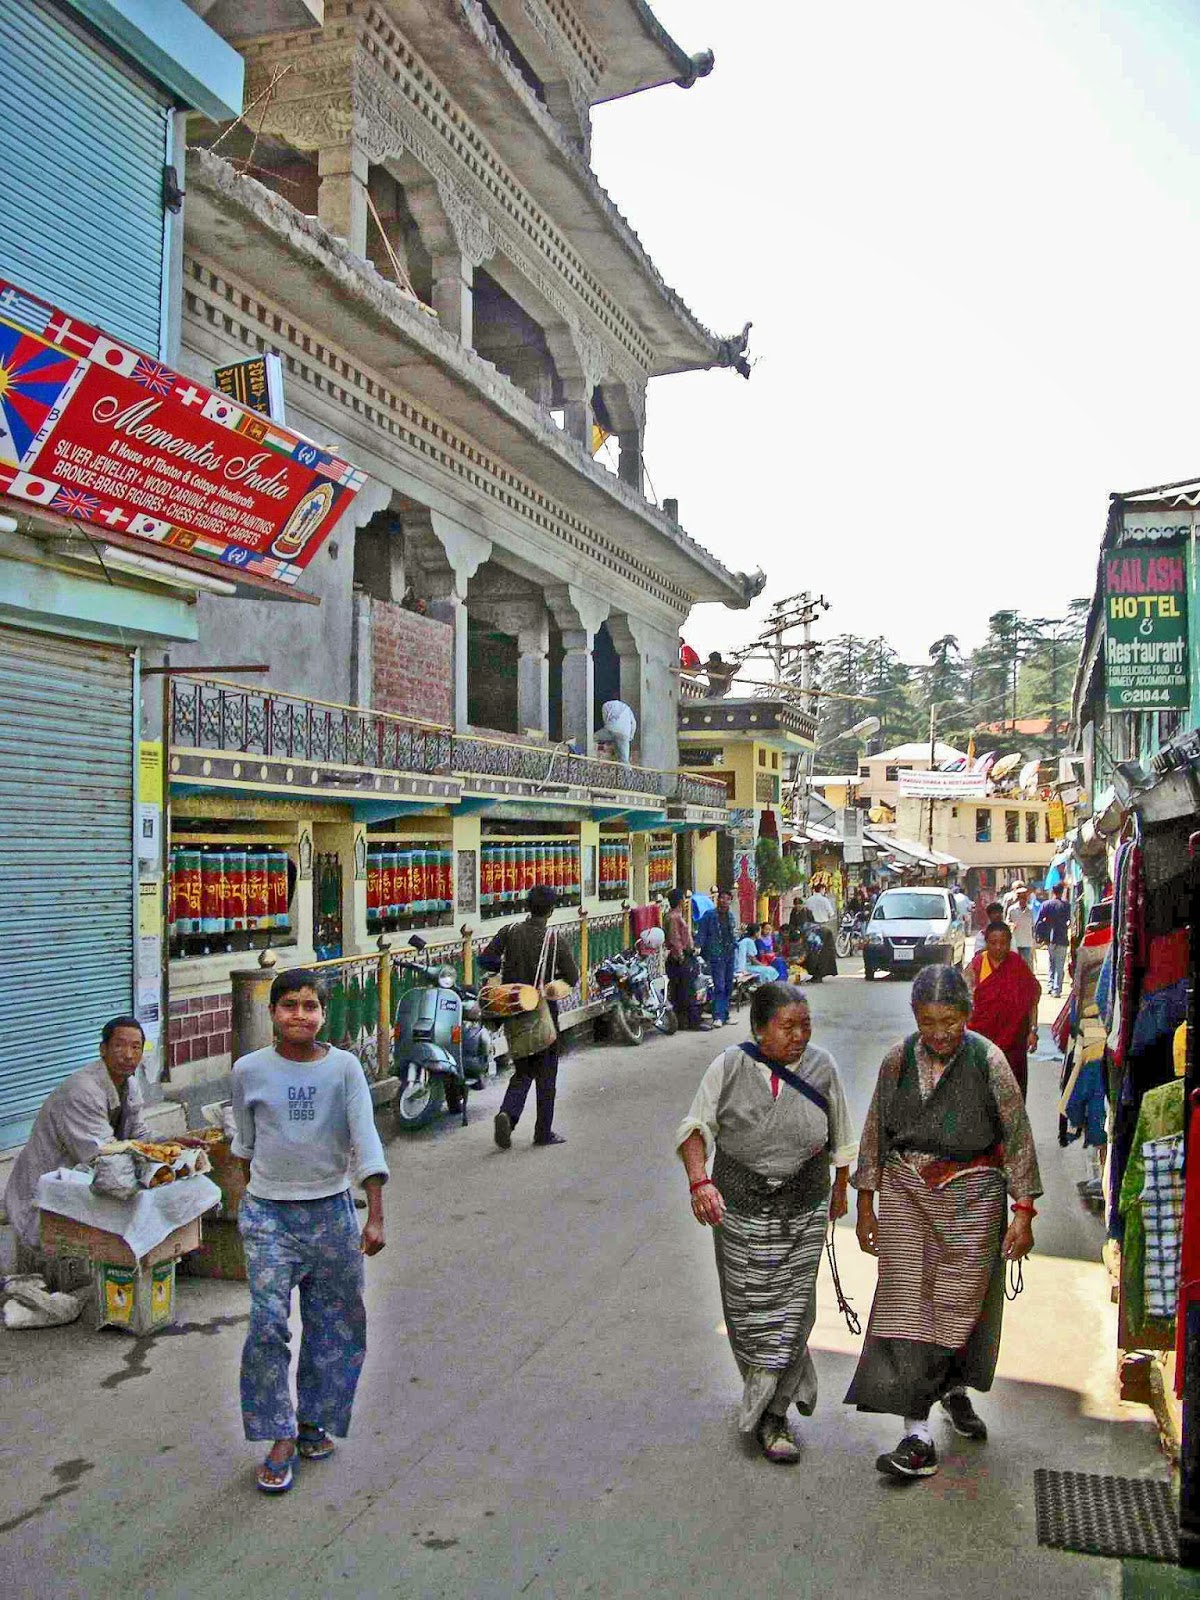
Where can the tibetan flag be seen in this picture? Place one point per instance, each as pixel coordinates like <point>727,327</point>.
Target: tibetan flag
<point>114,357</point>
<point>33,375</point>
<point>599,437</point>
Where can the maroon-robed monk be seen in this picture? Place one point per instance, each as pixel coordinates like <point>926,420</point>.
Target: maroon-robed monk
<point>1004,1000</point>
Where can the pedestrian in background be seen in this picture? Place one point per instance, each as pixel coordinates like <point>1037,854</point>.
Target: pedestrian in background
<point>1053,928</point>
<point>681,961</point>
<point>992,913</point>
<point>304,1120</point>
<point>716,936</point>
<point>1019,917</point>
<point>773,1111</point>
<point>946,1132</point>
<point>529,952</point>
<point>1004,995</point>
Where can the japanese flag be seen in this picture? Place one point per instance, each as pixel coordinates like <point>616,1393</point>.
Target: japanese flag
<point>41,490</point>
<point>113,357</point>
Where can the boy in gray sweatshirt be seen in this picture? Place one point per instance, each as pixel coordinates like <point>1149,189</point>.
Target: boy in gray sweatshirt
<point>305,1123</point>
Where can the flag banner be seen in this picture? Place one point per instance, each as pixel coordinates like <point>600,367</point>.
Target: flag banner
<point>93,430</point>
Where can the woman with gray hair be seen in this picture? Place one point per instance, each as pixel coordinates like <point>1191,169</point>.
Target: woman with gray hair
<point>946,1133</point>
<point>774,1111</point>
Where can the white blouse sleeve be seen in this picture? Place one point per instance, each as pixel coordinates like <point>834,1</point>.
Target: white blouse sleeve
<point>843,1141</point>
<point>702,1115</point>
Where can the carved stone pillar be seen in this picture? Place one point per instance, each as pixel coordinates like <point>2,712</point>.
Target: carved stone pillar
<point>579,615</point>
<point>342,193</point>
<point>465,552</point>
<point>577,408</point>
<point>454,296</point>
<point>533,676</point>
<point>630,467</point>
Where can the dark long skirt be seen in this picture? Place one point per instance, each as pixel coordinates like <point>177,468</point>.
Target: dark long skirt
<point>939,1303</point>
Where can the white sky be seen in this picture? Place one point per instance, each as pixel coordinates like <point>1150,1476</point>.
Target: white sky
<point>968,236</point>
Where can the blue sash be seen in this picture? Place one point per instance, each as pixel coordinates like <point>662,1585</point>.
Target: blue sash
<point>788,1076</point>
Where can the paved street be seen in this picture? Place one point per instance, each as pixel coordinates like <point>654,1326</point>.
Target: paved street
<point>548,1406</point>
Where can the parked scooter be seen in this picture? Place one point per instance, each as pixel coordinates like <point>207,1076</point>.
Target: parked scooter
<point>639,997</point>
<point>441,1048</point>
<point>852,935</point>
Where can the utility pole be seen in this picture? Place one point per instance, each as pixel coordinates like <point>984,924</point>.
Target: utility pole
<point>933,710</point>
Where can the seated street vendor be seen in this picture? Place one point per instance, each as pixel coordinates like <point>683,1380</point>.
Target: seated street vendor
<point>100,1102</point>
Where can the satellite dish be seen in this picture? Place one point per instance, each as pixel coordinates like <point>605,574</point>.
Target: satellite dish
<point>1006,765</point>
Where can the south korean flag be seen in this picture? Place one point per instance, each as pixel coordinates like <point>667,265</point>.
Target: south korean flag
<point>217,409</point>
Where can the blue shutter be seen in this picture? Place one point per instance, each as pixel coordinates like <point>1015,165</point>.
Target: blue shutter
<point>66,861</point>
<point>83,141</point>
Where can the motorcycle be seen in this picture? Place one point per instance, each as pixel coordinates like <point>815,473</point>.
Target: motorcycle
<point>852,935</point>
<point>440,1046</point>
<point>639,997</point>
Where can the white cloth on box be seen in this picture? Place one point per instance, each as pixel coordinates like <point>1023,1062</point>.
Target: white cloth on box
<point>141,1222</point>
<point>84,1112</point>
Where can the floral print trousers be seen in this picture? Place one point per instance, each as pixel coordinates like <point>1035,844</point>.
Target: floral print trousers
<point>313,1245</point>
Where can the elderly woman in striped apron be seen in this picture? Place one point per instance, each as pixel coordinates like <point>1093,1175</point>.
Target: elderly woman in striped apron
<point>774,1111</point>
<point>945,1135</point>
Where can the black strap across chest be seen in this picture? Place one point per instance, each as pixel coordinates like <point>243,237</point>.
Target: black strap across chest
<point>806,1089</point>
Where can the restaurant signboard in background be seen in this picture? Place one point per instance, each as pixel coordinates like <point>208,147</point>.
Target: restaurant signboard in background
<point>1145,627</point>
<point>93,430</point>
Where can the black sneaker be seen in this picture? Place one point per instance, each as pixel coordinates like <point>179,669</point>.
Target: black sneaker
<point>967,1421</point>
<point>912,1458</point>
<point>552,1138</point>
<point>502,1129</point>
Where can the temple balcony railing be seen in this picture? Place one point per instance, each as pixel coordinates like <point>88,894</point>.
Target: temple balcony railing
<point>306,741</point>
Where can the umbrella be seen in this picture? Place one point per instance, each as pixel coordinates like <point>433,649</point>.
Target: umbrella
<point>1005,765</point>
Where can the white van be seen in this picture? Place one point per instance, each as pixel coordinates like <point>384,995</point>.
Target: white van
<point>911,928</point>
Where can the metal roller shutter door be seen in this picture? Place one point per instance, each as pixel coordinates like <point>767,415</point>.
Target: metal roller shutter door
<point>83,142</point>
<point>66,861</point>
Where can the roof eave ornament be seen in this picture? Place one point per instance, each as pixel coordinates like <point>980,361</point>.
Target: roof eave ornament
<point>699,66</point>
<point>731,352</point>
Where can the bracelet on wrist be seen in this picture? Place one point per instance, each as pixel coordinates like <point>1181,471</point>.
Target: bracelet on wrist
<point>704,1183</point>
<point>1026,1206</point>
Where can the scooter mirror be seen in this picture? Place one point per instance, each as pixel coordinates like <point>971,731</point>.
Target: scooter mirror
<point>416,941</point>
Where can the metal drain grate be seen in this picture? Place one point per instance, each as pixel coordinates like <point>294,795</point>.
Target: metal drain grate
<point>1102,1516</point>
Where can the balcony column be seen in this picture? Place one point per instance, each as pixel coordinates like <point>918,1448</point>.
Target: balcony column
<point>629,468</point>
<point>533,676</point>
<point>579,615</point>
<point>342,195</point>
<point>465,552</point>
<point>453,295</point>
<point>577,412</point>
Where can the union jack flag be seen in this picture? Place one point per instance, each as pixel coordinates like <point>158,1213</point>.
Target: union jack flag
<point>154,376</point>
<point>74,503</point>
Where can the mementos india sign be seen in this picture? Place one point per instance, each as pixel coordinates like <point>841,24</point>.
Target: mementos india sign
<point>1145,620</point>
<point>94,430</point>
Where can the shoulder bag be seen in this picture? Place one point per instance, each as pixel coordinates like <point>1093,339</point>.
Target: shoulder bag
<point>530,1032</point>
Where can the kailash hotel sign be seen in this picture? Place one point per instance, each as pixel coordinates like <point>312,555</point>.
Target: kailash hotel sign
<point>93,430</point>
<point>1146,626</point>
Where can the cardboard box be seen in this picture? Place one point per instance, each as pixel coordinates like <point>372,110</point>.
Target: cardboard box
<point>220,1255</point>
<point>138,1299</point>
<point>63,1236</point>
<point>229,1174</point>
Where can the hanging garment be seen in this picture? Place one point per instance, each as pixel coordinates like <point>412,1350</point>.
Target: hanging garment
<point>1160,1117</point>
<point>1162,1210</point>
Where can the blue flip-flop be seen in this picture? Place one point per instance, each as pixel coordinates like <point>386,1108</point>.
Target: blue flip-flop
<point>282,1476</point>
<point>313,1443</point>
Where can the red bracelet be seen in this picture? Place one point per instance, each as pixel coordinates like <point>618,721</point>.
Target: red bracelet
<point>1025,1205</point>
<point>703,1184</point>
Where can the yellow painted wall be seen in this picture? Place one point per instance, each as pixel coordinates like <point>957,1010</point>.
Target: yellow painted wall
<point>704,862</point>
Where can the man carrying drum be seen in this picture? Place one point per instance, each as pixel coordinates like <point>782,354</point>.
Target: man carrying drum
<point>529,952</point>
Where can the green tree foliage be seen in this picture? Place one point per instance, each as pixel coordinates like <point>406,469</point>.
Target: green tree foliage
<point>776,872</point>
<point>1023,668</point>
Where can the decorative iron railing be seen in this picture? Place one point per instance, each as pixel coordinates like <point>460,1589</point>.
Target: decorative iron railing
<point>209,714</point>
<point>689,789</point>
